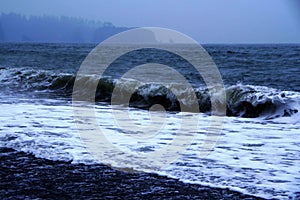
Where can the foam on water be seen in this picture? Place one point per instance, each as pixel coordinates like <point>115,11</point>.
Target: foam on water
<point>242,100</point>
<point>255,156</point>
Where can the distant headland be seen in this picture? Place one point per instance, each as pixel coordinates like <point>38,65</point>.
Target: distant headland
<point>19,28</point>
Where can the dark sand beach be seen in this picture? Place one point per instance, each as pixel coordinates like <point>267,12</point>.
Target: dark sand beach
<point>24,176</point>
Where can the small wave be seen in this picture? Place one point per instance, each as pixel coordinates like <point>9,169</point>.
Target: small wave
<point>22,79</point>
<point>242,100</point>
<point>259,101</point>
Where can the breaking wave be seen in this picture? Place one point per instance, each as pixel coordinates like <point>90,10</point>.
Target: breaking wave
<point>242,100</point>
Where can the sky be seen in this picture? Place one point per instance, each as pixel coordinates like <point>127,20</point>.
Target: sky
<point>207,21</point>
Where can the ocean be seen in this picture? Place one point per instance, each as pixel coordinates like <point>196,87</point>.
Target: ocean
<point>257,152</point>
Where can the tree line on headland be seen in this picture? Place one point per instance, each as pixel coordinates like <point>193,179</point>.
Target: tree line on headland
<point>20,28</point>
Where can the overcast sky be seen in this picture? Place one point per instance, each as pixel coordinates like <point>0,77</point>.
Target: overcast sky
<point>207,21</point>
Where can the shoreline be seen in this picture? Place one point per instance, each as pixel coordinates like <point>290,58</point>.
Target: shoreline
<point>23,176</point>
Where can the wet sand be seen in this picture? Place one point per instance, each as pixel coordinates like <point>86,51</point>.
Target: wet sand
<point>24,176</point>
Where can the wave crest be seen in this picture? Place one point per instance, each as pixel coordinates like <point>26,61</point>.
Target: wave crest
<point>242,100</point>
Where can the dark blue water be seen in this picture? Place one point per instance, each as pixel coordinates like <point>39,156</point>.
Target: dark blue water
<point>273,65</point>
<point>244,68</point>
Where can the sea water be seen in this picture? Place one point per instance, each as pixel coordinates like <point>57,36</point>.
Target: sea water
<point>256,153</point>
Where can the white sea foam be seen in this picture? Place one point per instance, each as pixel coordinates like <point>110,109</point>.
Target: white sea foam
<point>254,156</point>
